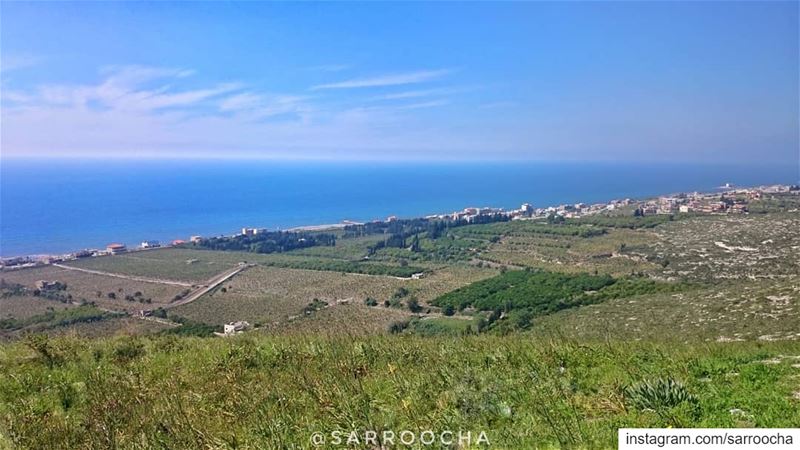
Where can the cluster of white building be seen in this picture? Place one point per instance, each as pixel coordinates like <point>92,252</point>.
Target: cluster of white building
<point>253,231</point>
<point>736,202</point>
<point>731,200</point>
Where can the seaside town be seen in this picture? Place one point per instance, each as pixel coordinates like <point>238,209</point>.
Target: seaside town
<point>728,199</point>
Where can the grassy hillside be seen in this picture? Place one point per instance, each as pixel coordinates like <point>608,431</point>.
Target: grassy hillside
<point>631,323</point>
<point>261,392</point>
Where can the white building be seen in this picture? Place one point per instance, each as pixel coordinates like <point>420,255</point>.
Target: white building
<point>116,248</point>
<point>235,327</point>
<point>149,244</point>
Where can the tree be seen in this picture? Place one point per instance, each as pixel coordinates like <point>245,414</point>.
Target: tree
<point>415,247</point>
<point>413,305</point>
<point>398,327</point>
<point>448,310</point>
<point>400,292</point>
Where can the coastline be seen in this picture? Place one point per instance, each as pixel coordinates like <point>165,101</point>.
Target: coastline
<point>50,208</point>
<point>540,213</point>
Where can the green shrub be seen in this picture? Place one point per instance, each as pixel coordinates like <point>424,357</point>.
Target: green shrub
<point>397,327</point>
<point>658,394</point>
<point>413,305</point>
<point>129,350</point>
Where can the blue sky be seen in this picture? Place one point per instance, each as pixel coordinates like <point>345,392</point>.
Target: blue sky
<point>633,81</point>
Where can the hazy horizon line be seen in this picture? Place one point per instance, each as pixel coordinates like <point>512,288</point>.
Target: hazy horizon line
<point>366,160</point>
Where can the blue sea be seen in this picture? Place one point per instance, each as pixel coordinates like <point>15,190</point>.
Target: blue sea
<point>56,206</point>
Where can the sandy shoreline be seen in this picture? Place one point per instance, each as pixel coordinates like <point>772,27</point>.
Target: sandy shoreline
<point>330,226</point>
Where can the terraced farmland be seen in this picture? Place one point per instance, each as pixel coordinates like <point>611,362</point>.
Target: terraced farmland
<point>96,288</point>
<point>273,295</point>
<point>605,253</point>
<point>167,264</point>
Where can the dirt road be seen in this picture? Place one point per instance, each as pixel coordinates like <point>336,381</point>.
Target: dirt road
<point>127,277</point>
<point>213,283</point>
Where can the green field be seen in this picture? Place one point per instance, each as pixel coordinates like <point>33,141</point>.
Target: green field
<point>169,264</point>
<point>257,392</point>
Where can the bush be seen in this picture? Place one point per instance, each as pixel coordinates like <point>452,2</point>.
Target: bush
<point>400,292</point>
<point>191,328</point>
<point>40,344</point>
<point>314,306</point>
<point>448,310</point>
<point>658,394</point>
<point>129,350</point>
<point>398,326</point>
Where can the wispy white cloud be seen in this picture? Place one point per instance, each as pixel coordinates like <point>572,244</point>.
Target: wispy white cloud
<point>136,74</point>
<point>10,62</point>
<point>330,67</point>
<point>408,94</point>
<point>149,111</point>
<point>251,105</point>
<point>386,80</point>
<point>122,89</point>
<point>422,93</point>
<point>422,105</point>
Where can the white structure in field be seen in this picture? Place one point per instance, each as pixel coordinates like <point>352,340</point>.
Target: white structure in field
<point>235,327</point>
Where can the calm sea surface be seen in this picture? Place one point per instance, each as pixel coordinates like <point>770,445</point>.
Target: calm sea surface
<point>59,206</point>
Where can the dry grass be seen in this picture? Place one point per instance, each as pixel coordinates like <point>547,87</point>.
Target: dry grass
<point>352,319</point>
<point>120,326</point>
<point>22,307</point>
<point>730,247</point>
<point>728,312</point>
<point>169,264</point>
<point>572,253</point>
<point>270,294</point>
<point>85,286</point>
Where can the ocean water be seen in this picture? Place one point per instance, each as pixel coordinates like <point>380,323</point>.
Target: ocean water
<point>52,206</point>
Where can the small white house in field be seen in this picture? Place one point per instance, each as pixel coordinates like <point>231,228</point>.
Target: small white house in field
<point>235,327</point>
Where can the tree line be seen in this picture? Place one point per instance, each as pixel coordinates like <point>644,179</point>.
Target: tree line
<point>404,233</point>
<point>266,242</point>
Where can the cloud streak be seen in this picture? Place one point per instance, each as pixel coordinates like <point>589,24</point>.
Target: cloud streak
<point>13,62</point>
<point>255,106</point>
<point>136,110</point>
<point>122,90</point>
<point>396,79</point>
<point>167,112</point>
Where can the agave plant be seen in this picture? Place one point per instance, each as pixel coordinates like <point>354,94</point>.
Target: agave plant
<point>658,394</point>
